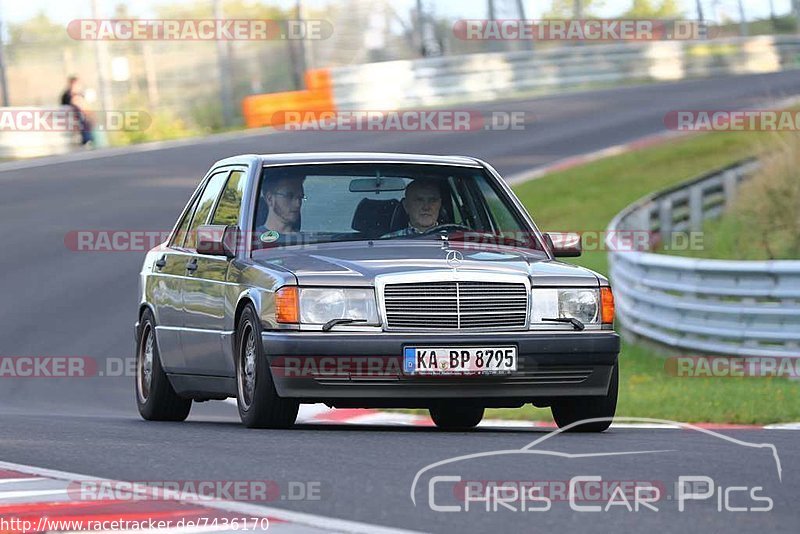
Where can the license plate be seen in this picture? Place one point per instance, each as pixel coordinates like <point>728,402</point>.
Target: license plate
<point>459,361</point>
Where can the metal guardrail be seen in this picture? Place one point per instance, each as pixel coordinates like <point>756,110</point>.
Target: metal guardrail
<point>487,77</point>
<point>16,144</point>
<point>741,308</point>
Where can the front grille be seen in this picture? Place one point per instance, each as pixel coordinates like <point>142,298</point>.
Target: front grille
<point>456,305</point>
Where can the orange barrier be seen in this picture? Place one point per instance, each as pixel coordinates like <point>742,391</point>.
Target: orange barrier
<point>270,109</point>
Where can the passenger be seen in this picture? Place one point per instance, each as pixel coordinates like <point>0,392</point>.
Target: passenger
<point>284,197</point>
<point>422,202</point>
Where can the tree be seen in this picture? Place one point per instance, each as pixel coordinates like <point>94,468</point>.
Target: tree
<point>654,9</point>
<point>565,9</point>
<point>38,29</point>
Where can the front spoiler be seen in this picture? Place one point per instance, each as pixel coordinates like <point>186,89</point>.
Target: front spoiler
<point>563,364</point>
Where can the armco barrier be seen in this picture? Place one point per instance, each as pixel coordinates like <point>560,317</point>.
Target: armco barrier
<point>453,80</point>
<point>742,308</point>
<point>16,144</point>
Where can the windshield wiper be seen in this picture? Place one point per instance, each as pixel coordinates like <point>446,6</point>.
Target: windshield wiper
<point>573,321</point>
<point>333,322</point>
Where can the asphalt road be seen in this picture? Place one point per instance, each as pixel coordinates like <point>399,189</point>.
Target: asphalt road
<point>57,302</point>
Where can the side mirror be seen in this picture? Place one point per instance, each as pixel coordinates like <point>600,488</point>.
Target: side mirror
<point>564,244</point>
<point>217,240</point>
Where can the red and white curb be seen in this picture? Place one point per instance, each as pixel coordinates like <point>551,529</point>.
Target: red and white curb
<point>35,500</point>
<point>321,414</point>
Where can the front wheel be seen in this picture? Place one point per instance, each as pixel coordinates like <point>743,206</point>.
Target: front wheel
<point>155,397</point>
<point>569,411</point>
<point>258,401</point>
<point>449,416</point>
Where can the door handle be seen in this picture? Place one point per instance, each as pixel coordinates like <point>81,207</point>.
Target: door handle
<point>162,261</point>
<point>191,265</point>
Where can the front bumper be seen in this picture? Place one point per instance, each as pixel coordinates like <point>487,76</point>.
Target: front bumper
<point>563,364</point>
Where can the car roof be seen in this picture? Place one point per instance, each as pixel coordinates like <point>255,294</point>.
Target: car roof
<point>300,158</point>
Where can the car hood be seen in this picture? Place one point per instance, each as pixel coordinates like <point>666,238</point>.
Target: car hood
<point>358,263</point>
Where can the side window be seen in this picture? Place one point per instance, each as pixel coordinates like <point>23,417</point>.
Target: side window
<point>500,216</point>
<point>207,200</point>
<point>180,234</point>
<point>458,202</point>
<point>230,203</point>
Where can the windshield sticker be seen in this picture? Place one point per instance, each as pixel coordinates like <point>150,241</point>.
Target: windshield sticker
<point>269,236</point>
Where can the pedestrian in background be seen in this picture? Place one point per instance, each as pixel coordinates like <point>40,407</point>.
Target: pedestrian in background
<point>73,98</point>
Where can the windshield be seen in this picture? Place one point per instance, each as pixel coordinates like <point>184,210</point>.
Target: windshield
<point>308,204</point>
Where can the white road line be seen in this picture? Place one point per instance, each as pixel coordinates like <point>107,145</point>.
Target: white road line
<point>508,423</point>
<point>15,480</point>
<point>131,149</point>
<point>328,524</point>
<point>622,148</point>
<point>21,494</point>
<point>783,426</point>
<point>383,418</point>
<point>588,157</point>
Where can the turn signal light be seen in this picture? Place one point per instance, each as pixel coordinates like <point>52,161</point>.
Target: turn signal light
<point>287,305</point>
<point>606,305</point>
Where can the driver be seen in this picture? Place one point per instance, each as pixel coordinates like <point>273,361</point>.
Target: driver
<point>422,202</point>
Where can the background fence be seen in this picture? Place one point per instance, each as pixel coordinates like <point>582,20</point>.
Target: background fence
<point>743,308</point>
<point>180,91</point>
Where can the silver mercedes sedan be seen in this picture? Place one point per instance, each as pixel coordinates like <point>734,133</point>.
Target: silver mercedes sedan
<point>370,280</point>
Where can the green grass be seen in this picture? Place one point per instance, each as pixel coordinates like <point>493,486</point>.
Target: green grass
<point>730,238</point>
<point>648,390</point>
<point>586,198</point>
<point>745,232</point>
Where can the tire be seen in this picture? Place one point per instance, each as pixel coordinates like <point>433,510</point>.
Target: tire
<point>450,416</point>
<point>258,401</point>
<point>155,397</point>
<point>568,411</point>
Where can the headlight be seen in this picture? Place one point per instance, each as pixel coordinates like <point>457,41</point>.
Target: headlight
<point>320,305</point>
<point>580,304</point>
